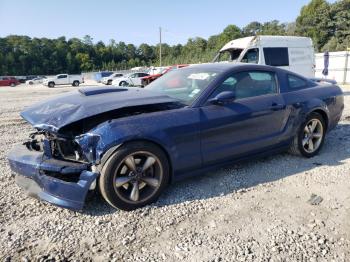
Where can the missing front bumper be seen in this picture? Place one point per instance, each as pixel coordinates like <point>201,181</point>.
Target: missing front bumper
<point>33,169</point>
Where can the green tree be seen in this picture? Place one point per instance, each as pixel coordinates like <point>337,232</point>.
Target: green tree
<point>315,21</point>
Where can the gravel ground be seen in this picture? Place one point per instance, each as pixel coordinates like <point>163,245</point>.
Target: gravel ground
<point>257,211</point>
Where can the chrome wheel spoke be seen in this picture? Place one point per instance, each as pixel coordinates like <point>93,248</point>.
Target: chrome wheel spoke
<point>150,181</point>
<point>317,135</point>
<point>306,130</point>
<point>305,141</point>
<point>135,192</point>
<point>130,162</point>
<point>311,145</point>
<point>148,163</point>
<point>120,181</point>
<point>313,126</point>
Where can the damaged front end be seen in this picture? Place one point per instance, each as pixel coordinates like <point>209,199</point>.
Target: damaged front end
<point>61,161</point>
<point>53,168</point>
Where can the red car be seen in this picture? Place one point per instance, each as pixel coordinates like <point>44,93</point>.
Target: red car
<point>148,79</point>
<point>8,81</point>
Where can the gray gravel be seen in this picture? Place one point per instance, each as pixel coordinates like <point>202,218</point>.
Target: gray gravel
<point>257,211</point>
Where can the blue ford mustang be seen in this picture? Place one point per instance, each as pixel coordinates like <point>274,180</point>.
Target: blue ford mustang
<point>131,142</point>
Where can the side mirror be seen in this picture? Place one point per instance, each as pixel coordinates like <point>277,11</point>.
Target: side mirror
<point>223,98</point>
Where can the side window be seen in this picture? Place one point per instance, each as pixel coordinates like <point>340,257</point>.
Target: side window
<point>228,85</point>
<point>62,76</point>
<point>296,83</point>
<point>276,56</point>
<point>249,84</point>
<point>251,56</point>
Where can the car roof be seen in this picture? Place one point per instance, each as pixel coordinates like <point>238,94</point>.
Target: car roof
<point>226,67</point>
<point>230,66</point>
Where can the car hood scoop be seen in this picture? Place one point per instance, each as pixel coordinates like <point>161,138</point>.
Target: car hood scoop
<point>89,91</point>
<point>62,110</point>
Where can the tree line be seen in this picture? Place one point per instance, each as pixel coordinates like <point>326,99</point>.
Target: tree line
<point>328,24</point>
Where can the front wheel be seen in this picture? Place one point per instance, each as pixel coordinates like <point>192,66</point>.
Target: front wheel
<point>309,140</point>
<point>51,84</point>
<point>134,176</point>
<point>13,85</point>
<point>123,83</point>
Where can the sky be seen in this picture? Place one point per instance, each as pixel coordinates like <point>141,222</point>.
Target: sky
<point>138,22</point>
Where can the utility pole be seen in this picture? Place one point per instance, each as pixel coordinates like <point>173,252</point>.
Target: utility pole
<point>160,46</point>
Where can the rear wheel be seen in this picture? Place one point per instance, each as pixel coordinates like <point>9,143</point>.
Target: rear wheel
<point>134,176</point>
<point>76,83</point>
<point>309,140</point>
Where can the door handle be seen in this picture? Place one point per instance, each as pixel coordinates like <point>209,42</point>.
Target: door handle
<point>276,106</point>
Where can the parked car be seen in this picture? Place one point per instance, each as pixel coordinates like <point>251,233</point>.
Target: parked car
<point>64,79</point>
<point>133,79</point>
<point>36,80</point>
<point>150,78</point>
<point>98,76</point>
<point>132,142</point>
<point>8,81</point>
<point>108,79</point>
<point>288,52</point>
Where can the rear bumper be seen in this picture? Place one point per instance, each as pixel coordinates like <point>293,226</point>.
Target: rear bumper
<point>37,175</point>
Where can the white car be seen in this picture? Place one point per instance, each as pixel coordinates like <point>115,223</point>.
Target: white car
<point>133,79</point>
<point>64,79</point>
<point>37,80</point>
<point>108,79</point>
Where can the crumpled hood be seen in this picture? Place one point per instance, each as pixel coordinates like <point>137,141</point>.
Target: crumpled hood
<point>70,107</point>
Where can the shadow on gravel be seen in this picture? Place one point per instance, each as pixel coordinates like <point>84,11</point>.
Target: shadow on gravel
<point>244,175</point>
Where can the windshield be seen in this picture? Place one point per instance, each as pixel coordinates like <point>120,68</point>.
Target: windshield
<point>228,55</point>
<point>184,84</point>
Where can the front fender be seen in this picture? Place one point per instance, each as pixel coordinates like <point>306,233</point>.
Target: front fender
<point>107,137</point>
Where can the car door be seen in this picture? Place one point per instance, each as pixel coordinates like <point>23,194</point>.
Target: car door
<point>252,122</point>
<point>2,81</point>
<point>137,79</point>
<point>62,79</point>
<point>132,79</point>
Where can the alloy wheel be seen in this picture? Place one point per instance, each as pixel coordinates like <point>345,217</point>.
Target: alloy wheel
<point>138,177</point>
<point>312,136</point>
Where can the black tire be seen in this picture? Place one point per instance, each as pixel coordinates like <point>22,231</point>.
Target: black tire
<point>12,84</point>
<point>119,196</point>
<point>31,83</point>
<point>123,83</point>
<point>51,84</point>
<point>109,82</point>
<point>75,83</point>
<point>297,147</point>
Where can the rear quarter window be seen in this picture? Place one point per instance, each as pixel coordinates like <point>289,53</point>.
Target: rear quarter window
<point>296,83</point>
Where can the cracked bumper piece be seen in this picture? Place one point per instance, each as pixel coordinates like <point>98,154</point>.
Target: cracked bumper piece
<point>37,175</point>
